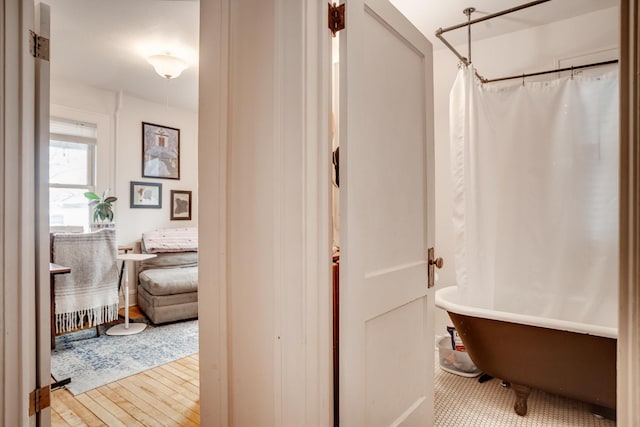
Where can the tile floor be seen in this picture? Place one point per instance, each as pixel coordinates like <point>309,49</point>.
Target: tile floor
<point>464,402</point>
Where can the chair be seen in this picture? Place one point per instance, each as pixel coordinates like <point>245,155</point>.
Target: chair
<point>168,284</point>
<point>88,296</point>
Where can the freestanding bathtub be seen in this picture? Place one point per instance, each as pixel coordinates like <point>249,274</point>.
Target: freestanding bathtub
<point>574,360</point>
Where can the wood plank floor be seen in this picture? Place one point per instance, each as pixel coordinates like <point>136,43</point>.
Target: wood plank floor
<point>167,395</point>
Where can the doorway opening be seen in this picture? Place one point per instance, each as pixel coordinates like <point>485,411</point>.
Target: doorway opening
<point>108,85</point>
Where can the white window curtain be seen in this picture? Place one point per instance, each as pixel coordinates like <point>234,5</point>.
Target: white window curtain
<point>535,173</point>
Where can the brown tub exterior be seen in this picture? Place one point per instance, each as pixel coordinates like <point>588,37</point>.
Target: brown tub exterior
<point>578,366</point>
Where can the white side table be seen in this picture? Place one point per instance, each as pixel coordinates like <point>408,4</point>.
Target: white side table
<point>127,328</point>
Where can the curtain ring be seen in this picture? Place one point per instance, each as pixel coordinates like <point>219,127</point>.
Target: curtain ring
<point>572,72</point>
<point>522,79</point>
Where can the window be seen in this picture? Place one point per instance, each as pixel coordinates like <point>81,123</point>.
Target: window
<point>72,159</point>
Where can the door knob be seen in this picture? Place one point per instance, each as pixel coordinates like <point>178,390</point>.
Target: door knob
<point>438,262</point>
<point>432,264</point>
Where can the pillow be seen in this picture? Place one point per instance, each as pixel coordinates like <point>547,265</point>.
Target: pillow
<point>171,240</point>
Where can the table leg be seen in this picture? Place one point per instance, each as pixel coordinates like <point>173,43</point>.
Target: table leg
<point>126,328</point>
<point>53,309</point>
<point>126,297</point>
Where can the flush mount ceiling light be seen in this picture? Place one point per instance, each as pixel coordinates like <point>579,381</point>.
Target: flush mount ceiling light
<point>167,66</point>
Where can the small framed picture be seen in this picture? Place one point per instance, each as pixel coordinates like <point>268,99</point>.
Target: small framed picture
<point>160,151</point>
<point>146,195</point>
<point>180,205</point>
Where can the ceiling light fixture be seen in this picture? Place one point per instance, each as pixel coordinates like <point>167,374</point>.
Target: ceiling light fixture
<point>167,66</point>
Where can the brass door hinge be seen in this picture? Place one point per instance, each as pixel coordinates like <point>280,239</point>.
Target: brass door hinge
<point>38,46</point>
<point>39,399</point>
<point>432,264</point>
<point>336,18</point>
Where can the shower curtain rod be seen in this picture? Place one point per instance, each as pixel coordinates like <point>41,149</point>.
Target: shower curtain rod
<point>467,61</point>
<point>470,22</point>
<point>539,73</point>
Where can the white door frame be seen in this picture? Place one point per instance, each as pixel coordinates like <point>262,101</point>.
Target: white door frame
<point>629,293</point>
<point>213,116</point>
<point>291,329</point>
<point>41,220</point>
<point>17,221</point>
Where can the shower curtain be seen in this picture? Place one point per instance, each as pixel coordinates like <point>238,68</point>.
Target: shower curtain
<point>535,211</point>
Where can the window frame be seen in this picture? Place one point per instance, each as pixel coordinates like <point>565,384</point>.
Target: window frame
<point>91,159</point>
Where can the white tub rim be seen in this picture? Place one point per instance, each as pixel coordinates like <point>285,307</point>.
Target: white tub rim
<point>446,299</point>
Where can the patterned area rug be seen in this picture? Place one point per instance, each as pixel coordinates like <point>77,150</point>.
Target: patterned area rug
<point>92,361</point>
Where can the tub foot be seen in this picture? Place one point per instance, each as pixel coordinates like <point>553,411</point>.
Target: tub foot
<point>603,412</point>
<point>484,378</point>
<point>522,393</point>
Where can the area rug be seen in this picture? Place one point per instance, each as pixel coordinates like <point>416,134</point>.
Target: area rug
<point>91,361</point>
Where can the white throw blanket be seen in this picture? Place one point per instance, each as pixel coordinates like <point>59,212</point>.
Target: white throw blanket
<point>90,292</point>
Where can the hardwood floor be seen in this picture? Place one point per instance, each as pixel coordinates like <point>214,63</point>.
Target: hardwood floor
<point>167,395</point>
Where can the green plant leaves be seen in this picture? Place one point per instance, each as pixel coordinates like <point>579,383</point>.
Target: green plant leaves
<point>102,209</point>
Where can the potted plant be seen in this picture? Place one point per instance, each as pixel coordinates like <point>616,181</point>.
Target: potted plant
<point>102,209</point>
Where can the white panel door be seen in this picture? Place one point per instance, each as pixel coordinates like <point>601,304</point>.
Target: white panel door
<point>387,219</point>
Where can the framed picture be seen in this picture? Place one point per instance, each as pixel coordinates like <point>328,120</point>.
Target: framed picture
<point>160,151</point>
<point>180,205</point>
<point>146,195</point>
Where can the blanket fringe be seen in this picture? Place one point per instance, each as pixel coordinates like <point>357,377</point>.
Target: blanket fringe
<point>67,322</point>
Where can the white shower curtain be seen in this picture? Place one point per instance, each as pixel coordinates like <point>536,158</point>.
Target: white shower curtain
<point>535,176</point>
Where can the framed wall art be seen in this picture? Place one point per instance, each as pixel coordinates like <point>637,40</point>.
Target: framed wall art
<point>160,151</point>
<point>180,205</point>
<point>146,195</point>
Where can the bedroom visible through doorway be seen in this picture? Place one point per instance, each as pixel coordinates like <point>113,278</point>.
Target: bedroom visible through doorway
<point>103,90</point>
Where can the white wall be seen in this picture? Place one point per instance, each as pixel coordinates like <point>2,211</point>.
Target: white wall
<point>119,118</point>
<point>524,51</point>
<point>133,111</point>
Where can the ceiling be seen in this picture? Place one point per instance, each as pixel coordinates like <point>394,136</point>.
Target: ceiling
<point>105,44</point>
